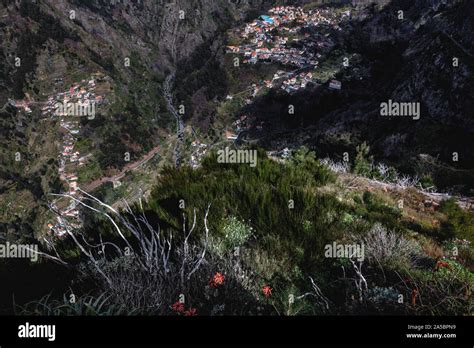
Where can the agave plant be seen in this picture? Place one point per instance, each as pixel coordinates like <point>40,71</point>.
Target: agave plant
<point>87,305</point>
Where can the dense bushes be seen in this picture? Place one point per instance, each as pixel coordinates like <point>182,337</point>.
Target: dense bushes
<point>276,199</point>
<point>459,223</point>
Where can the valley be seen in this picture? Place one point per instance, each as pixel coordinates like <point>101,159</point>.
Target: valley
<point>213,150</point>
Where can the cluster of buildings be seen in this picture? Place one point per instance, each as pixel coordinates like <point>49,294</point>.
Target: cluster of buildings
<point>289,36</point>
<point>68,159</point>
<point>240,124</point>
<point>268,38</point>
<point>81,94</point>
<point>72,102</point>
<point>285,36</point>
<point>199,151</point>
<point>297,81</point>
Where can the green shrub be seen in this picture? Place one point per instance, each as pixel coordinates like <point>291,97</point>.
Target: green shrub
<point>236,232</point>
<point>306,164</point>
<point>427,181</point>
<point>458,224</point>
<point>363,162</point>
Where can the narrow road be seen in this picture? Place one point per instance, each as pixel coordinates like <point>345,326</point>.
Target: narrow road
<point>129,167</point>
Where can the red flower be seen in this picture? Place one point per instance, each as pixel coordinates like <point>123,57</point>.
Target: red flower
<point>267,291</point>
<point>216,280</point>
<point>441,264</point>
<point>191,312</point>
<point>219,278</point>
<point>178,307</point>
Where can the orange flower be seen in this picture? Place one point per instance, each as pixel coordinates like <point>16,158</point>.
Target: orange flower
<point>267,291</point>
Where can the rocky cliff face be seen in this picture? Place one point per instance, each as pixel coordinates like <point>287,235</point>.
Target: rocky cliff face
<point>436,51</point>
<point>434,46</point>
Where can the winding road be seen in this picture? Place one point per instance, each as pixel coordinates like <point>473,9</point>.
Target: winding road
<point>129,167</point>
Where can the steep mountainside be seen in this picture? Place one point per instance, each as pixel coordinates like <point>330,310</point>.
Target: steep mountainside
<point>49,46</point>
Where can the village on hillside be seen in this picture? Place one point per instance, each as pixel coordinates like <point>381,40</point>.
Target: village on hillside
<point>80,100</point>
<point>293,38</point>
<point>289,36</point>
